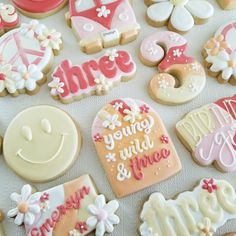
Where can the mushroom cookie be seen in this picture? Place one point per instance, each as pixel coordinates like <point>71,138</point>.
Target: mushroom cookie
<point>26,57</point>
<point>220,54</point>
<point>71,209</point>
<point>178,15</point>
<point>133,146</point>
<point>101,24</point>
<point>8,17</point>
<point>41,143</point>
<point>197,213</point>
<point>39,8</point>
<point>227,4</point>
<point>209,133</point>
<point>180,78</point>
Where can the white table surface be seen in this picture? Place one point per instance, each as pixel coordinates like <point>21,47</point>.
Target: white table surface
<point>85,110</point>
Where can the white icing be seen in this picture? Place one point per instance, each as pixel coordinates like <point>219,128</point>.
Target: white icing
<point>88,27</point>
<point>205,227</point>
<point>123,173</point>
<point>103,85</point>
<point>8,13</point>
<point>30,29</point>
<point>46,126</point>
<point>27,133</point>
<point>124,16</point>
<point>103,12</point>
<point>132,115</point>
<point>111,157</point>
<point>177,53</point>
<point>112,54</point>
<point>56,86</point>
<point>118,106</point>
<point>110,35</point>
<point>111,121</point>
<point>6,81</point>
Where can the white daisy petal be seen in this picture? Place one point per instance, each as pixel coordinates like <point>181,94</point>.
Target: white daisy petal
<point>12,212</point>
<point>100,229</point>
<point>26,191</point>
<point>100,201</point>
<point>29,218</point>
<point>15,197</point>
<point>91,221</point>
<point>19,219</point>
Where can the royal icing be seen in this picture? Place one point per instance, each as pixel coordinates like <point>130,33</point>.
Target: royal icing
<point>8,17</point>
<point>37,127</point>
<point>101,23</point>
<point>209,133</point>
<point>220,53</point>
<point>26,53</point>
<point>180,14</point>
<point>133,146</point>
<point>167,51</point>
<point>73,209</point>
<point>73,82</point>
<point>200,212</point>
<point>227,4</point>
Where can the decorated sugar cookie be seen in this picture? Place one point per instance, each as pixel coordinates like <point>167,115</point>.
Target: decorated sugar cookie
<point>71,209</point>
<point>26,56</point>
<point>1,227</point>
<point>102,23</point>
<point>209,134</point>
<point>41,143</point>
<point>230,234</point>
<point>133,146</point>
<point>95,77</point>
<point>220,54</point>
<point>39,8</point>
<point>197,213</point>
<point>227,4</point>
<point>9,18</point>
<point>166,50</point>
<point>178,15</point>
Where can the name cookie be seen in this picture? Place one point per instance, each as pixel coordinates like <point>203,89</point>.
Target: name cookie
<point>200,212</point>
<point>39,9</point>
<point>41,143</point>
<point>101,24</point>
<point>178,15</point>
<point>26,57</point>
<point>209,134</point>
<point>227,4</point>
<point>73,209</point>
<point>133,146</point>
<point>9,18</point>
<point>95,77</point>
<point>166,50</point>
<point>220,54</point>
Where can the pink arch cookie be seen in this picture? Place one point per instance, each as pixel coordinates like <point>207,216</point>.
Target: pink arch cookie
<point>220,54</point>
<point>166,50</point>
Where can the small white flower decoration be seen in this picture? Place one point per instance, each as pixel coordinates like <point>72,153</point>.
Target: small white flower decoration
<point>174,37</point>
<point>27,77</point>
<point>103,12</point>
<point>163,83</point>
<point>112,54</point>
<point>74,232</point>
<point>50,38</point>
<point>56,86</point>
<point>177,53</point>
<point>118,105</point>
<point>111,122</point>
<point>103,84</point>
<point>44,206</point>
<point>27,206</point>
<point>133,114</point>
<point>32,28</point>
<point>147,231</point>
<point>103,215</point>
<point>193,87</point>
<point>111,157</point>
<point>205,227</point>
<point>195,66</point>
<point>6,81</point>
<point>152,51</point>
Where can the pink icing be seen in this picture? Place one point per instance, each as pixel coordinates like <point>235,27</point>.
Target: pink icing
<point>9,24</point>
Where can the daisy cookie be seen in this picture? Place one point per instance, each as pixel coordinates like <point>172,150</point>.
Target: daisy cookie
<point>26,56</point>
<point>180,78</point>
<point>41,143</point>
<point>178,15</point>
<point>227,4</point>
<point>70,209</point>
<point>133,146</point>
<point>197,213</point>
<point>220,54</point>
<point>94,77</point>
<point>209,134</point>
<point>9,18</point>
<point>101,24</point>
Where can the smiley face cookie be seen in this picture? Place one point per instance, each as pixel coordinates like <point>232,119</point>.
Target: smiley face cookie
<point>39,8</point>
<point>227,4</point>
<point>178,15</point>
<point>101,24</point>
<point>220,54</point>
<point>73,209</point>
<point>166,50</point>
<point>209,134</point>
<point>200,212</point>
<point>133,146</point>
<point>26,57</point>
<point>41,143</point>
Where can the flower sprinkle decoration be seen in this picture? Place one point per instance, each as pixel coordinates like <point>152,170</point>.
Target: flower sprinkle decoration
<point>209,185</point>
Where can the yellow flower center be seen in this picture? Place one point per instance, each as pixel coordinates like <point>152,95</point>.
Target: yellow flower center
<point>23,207</point>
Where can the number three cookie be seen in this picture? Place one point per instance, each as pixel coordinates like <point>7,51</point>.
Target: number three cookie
<point>167,51</point>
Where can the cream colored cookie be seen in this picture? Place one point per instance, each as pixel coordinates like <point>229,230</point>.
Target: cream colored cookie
<point>230,234</point>
<point>1,226</point>
<point>227,4</point>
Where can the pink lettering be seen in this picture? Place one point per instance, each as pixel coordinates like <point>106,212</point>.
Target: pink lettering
<point>46,227</point>
<point>107,67</point>
<point>35,232</point>
<point>55,216</point>
<point>124,62</point>
<point>87,67</point>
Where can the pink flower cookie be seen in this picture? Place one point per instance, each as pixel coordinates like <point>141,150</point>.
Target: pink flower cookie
<point>95,77</point>
<point>39,9</point>
<point>220,54</point>
<point>101,24</point>
<point>26,56</point>
<point>178,15</point>
<point>166,50</point>
<point>196,213</point>
<point>133,146</point>
<point>9,18</point>
<point>71,209</point>
<point>209,134</point>
<point>227,4</point>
